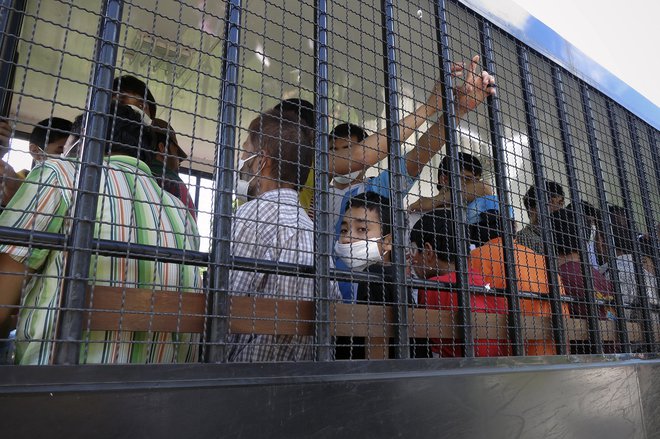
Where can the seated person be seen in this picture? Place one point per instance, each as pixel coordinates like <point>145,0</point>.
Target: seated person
<point>530,235</point>
<point>434,258</point>
<point>129,90</point>
<point>166,161</point>
<point>350,157</point>
<point>593,221</point>
<point>477,194</point>
<point>273,226</point>
<point>46,140</point>
<point>531,273</point>
<point>625,267</point>
<point>565,233</point>
<point>131,208</point>
<point>646,246</point>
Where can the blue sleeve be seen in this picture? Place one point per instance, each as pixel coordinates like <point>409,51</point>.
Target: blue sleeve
<point>380,184</point>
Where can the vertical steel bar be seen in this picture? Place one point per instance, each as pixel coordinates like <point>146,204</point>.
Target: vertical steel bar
<point>619,159</point>
<point>655,155</point>
<point>594,152</point>
<point>11,22</point>
<point>533,131</point>
<point>457,200</point>
<point>648,214</point>
<point>69,330</point>
<point>397,165</point>
<point>224,186</point>
<point>502,183</point>
<point>324,232</point>
<point>654,232</point>
<point>576,198</point>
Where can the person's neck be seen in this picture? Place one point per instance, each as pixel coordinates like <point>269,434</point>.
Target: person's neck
<point>443,268</point>
<point>272,185</point>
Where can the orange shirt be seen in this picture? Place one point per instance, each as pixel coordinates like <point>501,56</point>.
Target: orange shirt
<point>488,260</point>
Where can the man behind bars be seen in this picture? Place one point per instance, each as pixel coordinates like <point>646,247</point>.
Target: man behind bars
<point>273,226</point>
<point>530,235</point>
<point>131,208</point>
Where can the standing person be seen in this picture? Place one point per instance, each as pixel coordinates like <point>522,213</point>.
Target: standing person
<point>131,208</point>
<point>273,226</point>
<point>530,235</point>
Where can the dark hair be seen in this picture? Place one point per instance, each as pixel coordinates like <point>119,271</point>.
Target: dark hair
<point>285,140</point>
<point>487,228</point>
<point>299,109</point>
<point>565,231</point>
<point>553,188</point>
<point>131,84</point>
<point>379,203</point>
<point>623,236</point>
<point>347,130</point>
<point>49,131</point>
<point>646,246</point>
<point>436,228</point>
<point>125,135</point>
<point>467,162</point>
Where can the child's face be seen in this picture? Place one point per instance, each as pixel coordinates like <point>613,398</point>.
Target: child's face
<point>361,224</point>
<point>465,175</point>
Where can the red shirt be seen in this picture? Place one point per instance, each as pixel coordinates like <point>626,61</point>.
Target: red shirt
<point>484,303</point>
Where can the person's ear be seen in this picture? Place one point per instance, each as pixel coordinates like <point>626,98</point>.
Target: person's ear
<point>162,148</point>
<point>428,255</point>
<point>35,151</point>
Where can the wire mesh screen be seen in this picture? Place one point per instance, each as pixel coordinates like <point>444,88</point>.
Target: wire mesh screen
<point>263,181</point>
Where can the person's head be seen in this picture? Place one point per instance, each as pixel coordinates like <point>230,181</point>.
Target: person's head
<point>167,149</point>
<point>565,232</point>
<point>488,227</point>
<point>623,236</point>
<point>277,154</point>
<point>365,235</point>
<point>343,137</point>
<point>646,247</point>
<point>470,166</point>
<point>48,138</point>
<point>129,90</point>
<point>297,109</point>
<point>555,193</point>
<point>434,244</point>
<point>125,135</point>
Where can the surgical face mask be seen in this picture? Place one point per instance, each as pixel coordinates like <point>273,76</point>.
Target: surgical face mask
<point>146,120</point>
<point>348,178</point>
<point>242,185</point>
<point>358,255</point>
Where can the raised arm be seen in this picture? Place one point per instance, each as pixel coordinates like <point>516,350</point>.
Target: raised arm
<point>472,189</point>
<point>476,88</point>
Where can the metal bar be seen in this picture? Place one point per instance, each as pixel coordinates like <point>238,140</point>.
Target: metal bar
<point>11,23</point>
<point>69,330</point>
<point>397,165</point>
<point>224,184</point>
<point>449,105</point>
<point>648,214</point>
<point>533,131</point>
<point>502,183</point>
<point>654,232</point>
<point>583,238</point>
<point>324,231</point>
<point>619,159</point>
<point>594,152</point>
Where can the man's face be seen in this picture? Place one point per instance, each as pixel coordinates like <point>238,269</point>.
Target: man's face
<point>465,176</point>
<point>52,149</point>
<point>130,98</point>
<point>362,224</point>
<point>340,145</point>
<point>425,261</point>
<point>252,168</point>
<point>556,202</point>
<point>172,159</point>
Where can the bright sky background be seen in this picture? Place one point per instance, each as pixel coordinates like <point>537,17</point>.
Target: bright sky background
<point>619,35</point>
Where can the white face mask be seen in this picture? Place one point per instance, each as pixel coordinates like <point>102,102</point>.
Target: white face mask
<point>359,255</point>
<point>348,178</point>
<point>242,186</point>
<point>146,120</point>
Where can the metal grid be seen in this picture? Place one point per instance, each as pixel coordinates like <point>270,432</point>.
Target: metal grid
<point>319,181</point>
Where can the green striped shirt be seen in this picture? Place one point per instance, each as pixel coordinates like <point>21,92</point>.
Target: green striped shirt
<point>131,208</point>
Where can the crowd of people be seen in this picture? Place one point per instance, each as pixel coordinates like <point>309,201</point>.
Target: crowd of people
<point>143,200</point>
